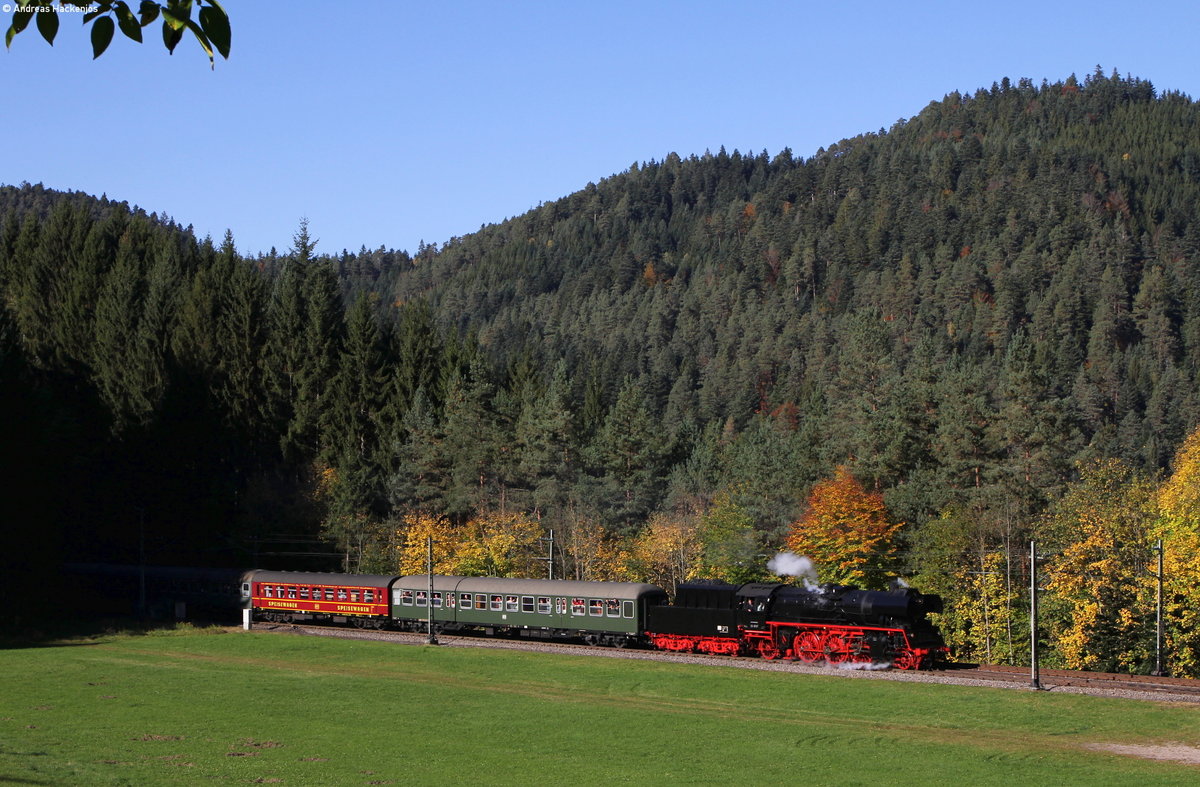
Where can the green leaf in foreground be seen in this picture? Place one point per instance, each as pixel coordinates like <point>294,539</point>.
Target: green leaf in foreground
<point>215,24</point>
<point>47,24</point>
<point>102,35</point>
<point>128,22</point>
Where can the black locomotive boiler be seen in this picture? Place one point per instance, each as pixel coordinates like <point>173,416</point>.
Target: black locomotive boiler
<point>834,624</point>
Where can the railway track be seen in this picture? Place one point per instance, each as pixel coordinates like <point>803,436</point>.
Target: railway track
<point>1055,678</point>
<point>1134,686</point>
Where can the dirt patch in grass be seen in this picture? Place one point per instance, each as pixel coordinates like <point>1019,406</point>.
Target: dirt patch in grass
<point>1175,752</point>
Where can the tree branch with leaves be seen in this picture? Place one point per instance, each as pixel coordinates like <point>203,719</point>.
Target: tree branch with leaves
<point>210,27</point>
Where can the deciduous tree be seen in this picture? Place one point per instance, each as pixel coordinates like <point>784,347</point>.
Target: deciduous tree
<point>847,532</point>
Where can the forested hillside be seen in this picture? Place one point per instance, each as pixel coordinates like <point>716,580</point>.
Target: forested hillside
<point>977,327</point>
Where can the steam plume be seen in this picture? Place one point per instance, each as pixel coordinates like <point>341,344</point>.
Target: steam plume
<point>787,564</point>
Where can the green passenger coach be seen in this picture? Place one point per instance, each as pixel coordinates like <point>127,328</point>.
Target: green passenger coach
<point>599,613</point>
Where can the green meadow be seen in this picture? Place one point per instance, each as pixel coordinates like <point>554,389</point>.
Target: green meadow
<point>225,706</point>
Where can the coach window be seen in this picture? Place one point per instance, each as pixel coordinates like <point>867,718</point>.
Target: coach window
<point>341,594</point>
<point>614,608</point>
<point>368,595</point>
<point>279,592</point>
<point>560,606</point>
<point>291,592</point>
<point>354,596</point>
<point>544,605</point>
<point>437,599</point>
<point>596,607</point>
<point>267,591</point>
<point>464,600</point>
<point>406,598</point>
<point>578,606</point>
<point>527,603</point>
<point>450,599</point>
<point>421,598</point>
<point>304,593</point>
<point>497,603</point>
<point>627,609</point>
<point>511,604</point>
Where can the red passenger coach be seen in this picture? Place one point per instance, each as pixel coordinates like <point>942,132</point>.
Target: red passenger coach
<point>292,597</point>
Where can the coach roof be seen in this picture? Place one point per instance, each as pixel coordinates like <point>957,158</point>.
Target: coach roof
<point>538,587</point>
<point>321,578</point>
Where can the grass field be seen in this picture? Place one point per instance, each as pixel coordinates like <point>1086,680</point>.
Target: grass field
<point>196,707</point>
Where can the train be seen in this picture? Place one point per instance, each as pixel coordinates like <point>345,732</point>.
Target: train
<point>831,624</point>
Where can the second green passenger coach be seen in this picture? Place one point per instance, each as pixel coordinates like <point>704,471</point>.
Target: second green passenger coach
<point>599,613</point>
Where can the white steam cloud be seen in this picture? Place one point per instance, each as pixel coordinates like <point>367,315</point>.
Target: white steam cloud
<point>870,666</point>
<point>787,564</point>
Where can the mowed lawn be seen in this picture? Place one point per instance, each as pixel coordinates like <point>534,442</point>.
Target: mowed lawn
<point>236,707</point>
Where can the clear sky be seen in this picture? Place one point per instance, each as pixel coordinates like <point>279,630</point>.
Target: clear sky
<point>388,123</point>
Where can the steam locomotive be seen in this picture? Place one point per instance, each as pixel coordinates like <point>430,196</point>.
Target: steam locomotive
<point>834,624</point>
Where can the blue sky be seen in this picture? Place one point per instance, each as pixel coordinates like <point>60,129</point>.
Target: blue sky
<point>388,123</point>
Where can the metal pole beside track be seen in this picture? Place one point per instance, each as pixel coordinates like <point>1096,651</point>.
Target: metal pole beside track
<point>1158,633</point>
<point>432,638</point>
<point>1034,678</point>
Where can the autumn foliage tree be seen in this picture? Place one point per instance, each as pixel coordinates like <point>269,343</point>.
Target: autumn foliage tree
<point>847,532</point>
<point>1097,611</point>
<point>1178,526</point>
<point>412,551</point>
<point>665,551</point>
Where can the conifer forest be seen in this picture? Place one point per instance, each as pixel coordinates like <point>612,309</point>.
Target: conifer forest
<point>904,356</point>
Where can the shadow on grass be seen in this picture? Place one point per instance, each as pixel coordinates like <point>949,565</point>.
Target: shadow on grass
<point>86,632</point>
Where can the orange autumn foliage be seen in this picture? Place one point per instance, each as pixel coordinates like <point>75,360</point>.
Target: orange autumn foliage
<point>847,532</point>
